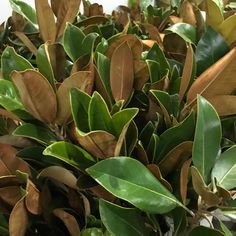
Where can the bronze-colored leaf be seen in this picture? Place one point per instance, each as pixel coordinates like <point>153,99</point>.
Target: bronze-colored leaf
<point>26,42</point>
<point>187,13</point>
<point>122,72</point>
<point>101,192</point>
<point>32,199</point>
<point>100,144</point>
<point>219,79</point>
<point>16,141</point>
<point>141,154</point>
<point>134,43</point>
<point>176,157</point>
<point>184,179</point>
<point>153,32</point>
<point>10,194</point>
<point>69,221</point>
<point>55,5</point>
<point>95,9</point>
<point>17,22</point>
<point>92,21</point>
<point>141,74</point>
<point>10,180</point>
<point>61,175</point>
<point>46,21</point>
<point>208,197</point>
<point>187,72</point>
<point>57,58</point>
<point>157,173</point>
<point>9,163</point>
<point>67,12</point>
<point>79,80</point>
<point>18,221</point>
<point>225,105</point>
<point>225,194</point>
<point>121,140</point>
<point>9,115</point>
<point>36,94</point>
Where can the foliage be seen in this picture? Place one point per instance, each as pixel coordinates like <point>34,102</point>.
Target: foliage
<point>119,124</point>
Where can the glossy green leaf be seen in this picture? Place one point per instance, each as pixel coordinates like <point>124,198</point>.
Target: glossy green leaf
<point>98,114</point>
<point>103,66</point>
<point>71,154</point>
<point>154,69</point>
<point>9,98</point>
<point>122,118</point>
<point>210,48</point>
<point>44,64</point>
<point>37,133</point>
<point>204,231</point>
<point>186,31</point>
<point>226,231</point>
<point>225,169</point>
<point>10,61</point>
<point>72,41</point>
<point>121,221</point>
<point>25,10</point>
<point>207,138</point>
<point>92,232</point>
<point>79,106</point>
<point>88,43</point>
<point>132,181</point>
<point>156,54</point>
<point>183,131</point>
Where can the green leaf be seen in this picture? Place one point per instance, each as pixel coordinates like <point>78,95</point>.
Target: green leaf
<point>210,48</point>
<point>186,31</point>
<point>225,229</point>
<point>207,138</point>
<point>72,41</point>
<point>156,54</point>
<point>98,114</point>
<point>92,232</point>
<point>71,154</point>
<point>225,169</point>
<point>44,64</point>
<point>133,182</point>
<point>121,221</point>
<point>9,98</point>
<point>24,10</point>
<point>37,133</point>
<point>172,137</point>
<point>153,68</point>
<point>79,106</point>
<point>122,118</point>
<point>10,61</point>
<point>88,43</point>
<point>204,231</point>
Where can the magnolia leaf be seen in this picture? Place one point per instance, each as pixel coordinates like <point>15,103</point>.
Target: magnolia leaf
<point>69,221</point>
<point>35,132</point>
<point>204,231</point>
<point>10,61</point>
<point>207,138</point>
<point>175,157</point>
<point>100,144</point>
<point>25,10</point>
<point>122,72</point>
<point>46,21</point>
<point>210,48</point>
<point>210,198</point>
<point>187,13</point>
<point>18,221</point>
<point>225,169</point>
<point>212,82</point>
<point>79,101</point>
<point>60,174</point>
<point>78,80</point>
<point>127,185</point>
<point>97,106</point>
<point>44,64</point>
<point>67,12</point>
<point>224,228</point>
<point>186,31</point>
<point>71,154</point>
<point>184,179</point>
<point>11,194</point>
<point>72,41</point>
<point>214,15</point>
<point>32,199</point>
<point>36,94</point>
<point>189,72</point>
<point>9,162</point>
<point>121,221</point>
<point>227,27</point>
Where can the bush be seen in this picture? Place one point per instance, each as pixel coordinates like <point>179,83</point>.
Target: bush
<point>119,124</point>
